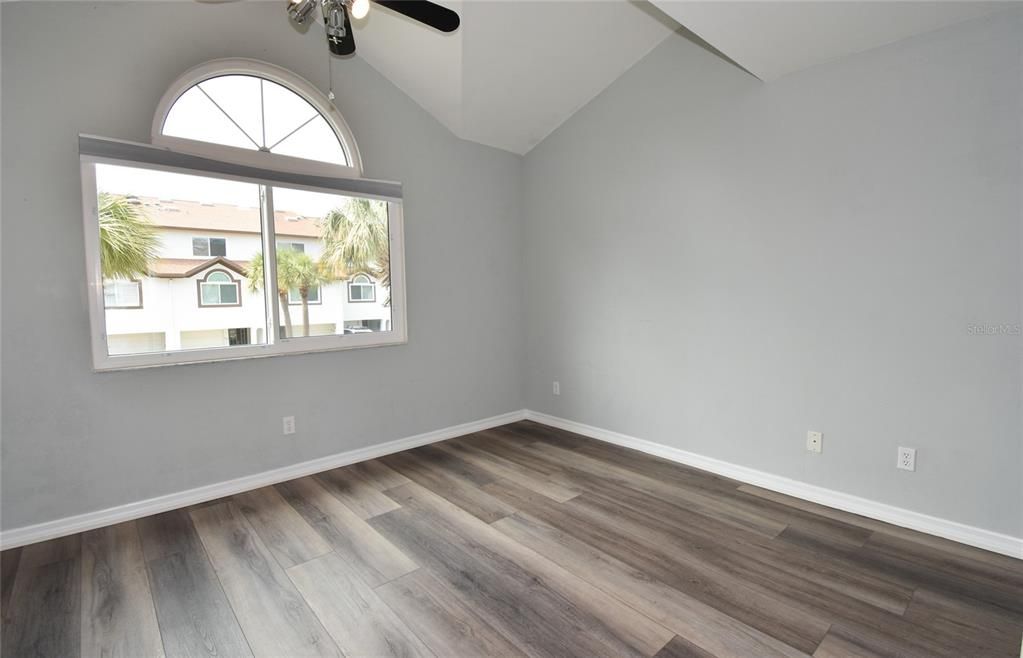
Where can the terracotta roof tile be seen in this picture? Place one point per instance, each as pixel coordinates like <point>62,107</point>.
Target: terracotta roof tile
<point>179,268</point>
<point>224,218</point>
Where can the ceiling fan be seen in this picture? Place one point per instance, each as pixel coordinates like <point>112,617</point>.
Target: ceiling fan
<point>336,15</point>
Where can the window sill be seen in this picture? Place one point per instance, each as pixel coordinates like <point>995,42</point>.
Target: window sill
<point>304,345</point>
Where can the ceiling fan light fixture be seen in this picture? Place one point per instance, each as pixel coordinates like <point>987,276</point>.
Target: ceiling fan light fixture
<point>360,8</point>
<point>337,15</point>
<point>299,10</point>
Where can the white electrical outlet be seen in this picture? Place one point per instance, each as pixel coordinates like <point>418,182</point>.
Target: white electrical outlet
<point>814,441</point>
<point>907,459</point>
<point>557,388</point>
<point>289,424</point>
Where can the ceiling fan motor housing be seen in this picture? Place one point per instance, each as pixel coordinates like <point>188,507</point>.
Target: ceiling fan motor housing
<point>340,39</point>
<point>337,23</point>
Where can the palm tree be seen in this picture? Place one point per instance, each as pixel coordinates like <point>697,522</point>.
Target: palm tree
<point>286,280</point>
<point>307,274</point>
<point>127,239</point>
<point>355,240</point>
<point>295,270</point>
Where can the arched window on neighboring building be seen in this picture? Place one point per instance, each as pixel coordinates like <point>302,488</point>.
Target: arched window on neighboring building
<point>219,289</point>
<point>361,289</point>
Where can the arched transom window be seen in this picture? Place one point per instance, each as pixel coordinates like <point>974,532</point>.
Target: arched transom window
<point>246,105</point>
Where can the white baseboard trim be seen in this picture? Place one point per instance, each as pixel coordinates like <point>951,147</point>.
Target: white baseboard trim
<point>98,519</point>
<point>932,525</point>
<point>970,535</point>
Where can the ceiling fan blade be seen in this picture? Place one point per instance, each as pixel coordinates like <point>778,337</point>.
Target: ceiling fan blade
<point>341,45</point>
<point>428,13</point>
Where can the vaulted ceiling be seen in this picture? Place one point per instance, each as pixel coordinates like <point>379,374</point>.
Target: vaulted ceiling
<point>516,70</point>
<point>772,39</point>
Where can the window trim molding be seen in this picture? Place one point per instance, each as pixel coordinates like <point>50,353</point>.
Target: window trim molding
<point>372,284</point>
<point>260,69</point>
<point>120,152</point>
<point>198,288</point>
<point>138,284</point>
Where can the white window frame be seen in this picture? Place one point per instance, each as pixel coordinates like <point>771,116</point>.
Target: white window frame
<point>371,284</point>
<point>275,345</point>
<point>283,77</point>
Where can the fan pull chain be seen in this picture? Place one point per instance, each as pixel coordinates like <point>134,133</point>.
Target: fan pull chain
<point>330,79</point>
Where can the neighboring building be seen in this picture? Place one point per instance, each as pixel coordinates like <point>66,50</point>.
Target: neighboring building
<point>197,295</point>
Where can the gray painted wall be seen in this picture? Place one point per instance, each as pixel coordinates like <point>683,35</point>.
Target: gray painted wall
<point>74,441</point>
<point>708,262</point>
<point>720,265</point>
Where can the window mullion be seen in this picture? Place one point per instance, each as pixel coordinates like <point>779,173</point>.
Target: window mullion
<point>273,311</point>
<point>229,117</point>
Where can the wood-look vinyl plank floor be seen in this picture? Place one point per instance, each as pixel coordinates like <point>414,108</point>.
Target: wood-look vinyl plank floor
<point>522,540</point>
<point>276,619</point>
<point>44,618</point>
<point>118,613</point>
<point>357,492</point>
<point>443,618</point>
<point>194,615</point>
<point>9,561</point>
<point>598,611</point>
<point>291,540</point>
<point>354,615</point>
<point>351,537</point>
